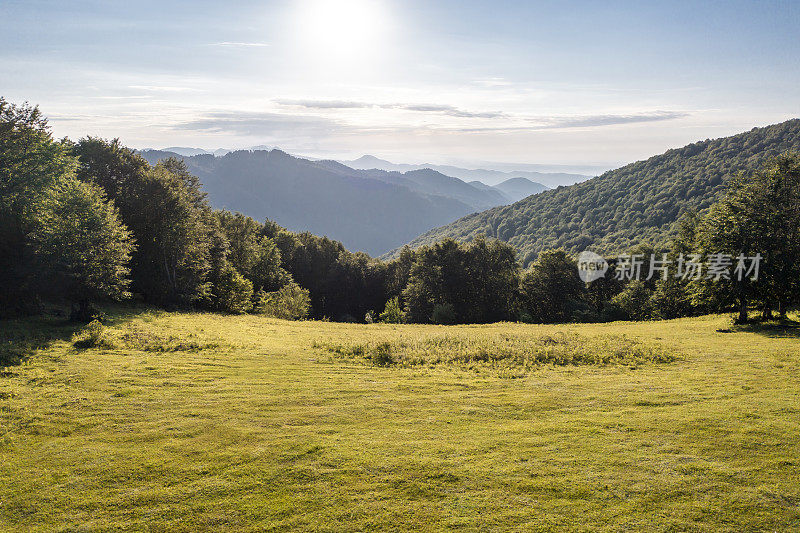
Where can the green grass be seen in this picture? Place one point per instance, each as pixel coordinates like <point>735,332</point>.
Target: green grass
<point>186,422</point>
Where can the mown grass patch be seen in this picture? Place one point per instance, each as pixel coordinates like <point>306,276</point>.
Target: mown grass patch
<point>258,436</point>
<point>504,351</point>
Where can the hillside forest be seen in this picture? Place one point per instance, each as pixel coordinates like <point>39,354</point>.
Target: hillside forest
<point>91,220</point>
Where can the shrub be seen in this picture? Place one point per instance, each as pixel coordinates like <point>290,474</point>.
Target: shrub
<point>393,313</point>
<point>233,292</point>
<point>381,355</point>
<point>635,301</point>
<point>291,302</point>
<point>93,335</point>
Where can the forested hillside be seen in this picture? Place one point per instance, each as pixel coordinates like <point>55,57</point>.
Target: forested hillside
<point>638,203</point>
<point>370,211</point>
<point>366,215</point>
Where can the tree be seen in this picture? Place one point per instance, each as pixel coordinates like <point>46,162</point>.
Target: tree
<point>634,302</point>
<point>479,280</point>
<point>168,215</point>
<point>256,256</point>
<point>759,214</point>
<point>551,288</point>
<point>393,313</point>
<point>290,302</point>
<point>233,293</point>
<point>31,164</point>
<point>81,246</point>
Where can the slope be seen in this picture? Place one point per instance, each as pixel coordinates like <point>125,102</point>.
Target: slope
<point>639,202</point>
<point>365,214</point>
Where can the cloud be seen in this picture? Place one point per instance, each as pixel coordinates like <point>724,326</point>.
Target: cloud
<point>261,124</point>
<point>161,88</point>
<point>577,121</point>
<point>418,108</point>
<point>608,120</point>
<point>446,110</point>
<point>291,126</point>
<point>492,82</point>
<point>324,104</point>
<point>240,44</point>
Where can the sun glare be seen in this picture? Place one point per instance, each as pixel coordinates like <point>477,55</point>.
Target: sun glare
<point>342,29</point>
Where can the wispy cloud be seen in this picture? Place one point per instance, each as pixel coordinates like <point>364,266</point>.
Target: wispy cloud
<point>492,82</point>
<point>261,124</point>
<point>161,88</point>
<point>419,108</point>
<point>324,104</point>
<point>446,110</point>
<point>607,120</point>
<point>238,44</point>
<point>277,125</point>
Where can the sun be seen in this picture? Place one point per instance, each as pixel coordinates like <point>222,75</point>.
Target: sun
<point>339,29</point>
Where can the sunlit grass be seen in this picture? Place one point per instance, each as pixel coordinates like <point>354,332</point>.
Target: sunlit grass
<point>187,422</point>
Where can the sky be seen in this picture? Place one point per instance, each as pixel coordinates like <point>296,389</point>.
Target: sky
<point>458,82</point>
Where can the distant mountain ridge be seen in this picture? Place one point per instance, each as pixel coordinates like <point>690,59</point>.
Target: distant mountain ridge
<point>372,211</point>
<point>489,177</point>
<point>639,202</point>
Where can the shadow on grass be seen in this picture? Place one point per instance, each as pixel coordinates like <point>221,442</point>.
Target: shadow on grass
<point>778,328</point>
<point>22,337</point>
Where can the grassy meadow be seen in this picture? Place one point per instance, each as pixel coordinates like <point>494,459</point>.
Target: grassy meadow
<point>191,421</point>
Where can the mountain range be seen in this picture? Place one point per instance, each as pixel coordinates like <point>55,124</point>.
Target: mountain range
<point>637,203</point>
<point>368,210</point>
<point>489,177</point>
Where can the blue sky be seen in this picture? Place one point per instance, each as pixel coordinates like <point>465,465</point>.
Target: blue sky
<point>573,83</point>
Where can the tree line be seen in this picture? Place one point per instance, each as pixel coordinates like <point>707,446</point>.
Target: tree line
<point>91,220</point>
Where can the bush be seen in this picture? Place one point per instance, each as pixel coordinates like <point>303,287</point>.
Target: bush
<point>233,292</point>
<point>291,302</point>
<point>393,314</point>
<point>635,302</point>
<point>93,335</point>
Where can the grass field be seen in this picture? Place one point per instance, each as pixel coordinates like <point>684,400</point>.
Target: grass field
<point>186,422</point>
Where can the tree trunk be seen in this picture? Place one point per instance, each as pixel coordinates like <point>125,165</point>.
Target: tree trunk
<point>742,319</point>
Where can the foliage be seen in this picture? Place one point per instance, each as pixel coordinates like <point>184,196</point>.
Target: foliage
<point>340,282</point>
<point>93,335</point>
<point>759,214</point>
<point>233,293</point>
<point>521,352</point>
<point>31,165</point>
<point>81,247</point>
<point>635,301</point>
<point>290,302</point>
<point>251,253</point>
<point>478,280</point>
<point>167,213</point>
<point>637,203</point>
<point>444,314</point>
<point>550,287</point>
<point>393,312</point>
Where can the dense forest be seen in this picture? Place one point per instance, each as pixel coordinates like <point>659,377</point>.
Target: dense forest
<point>638,203</point>
<point>89,221</point>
